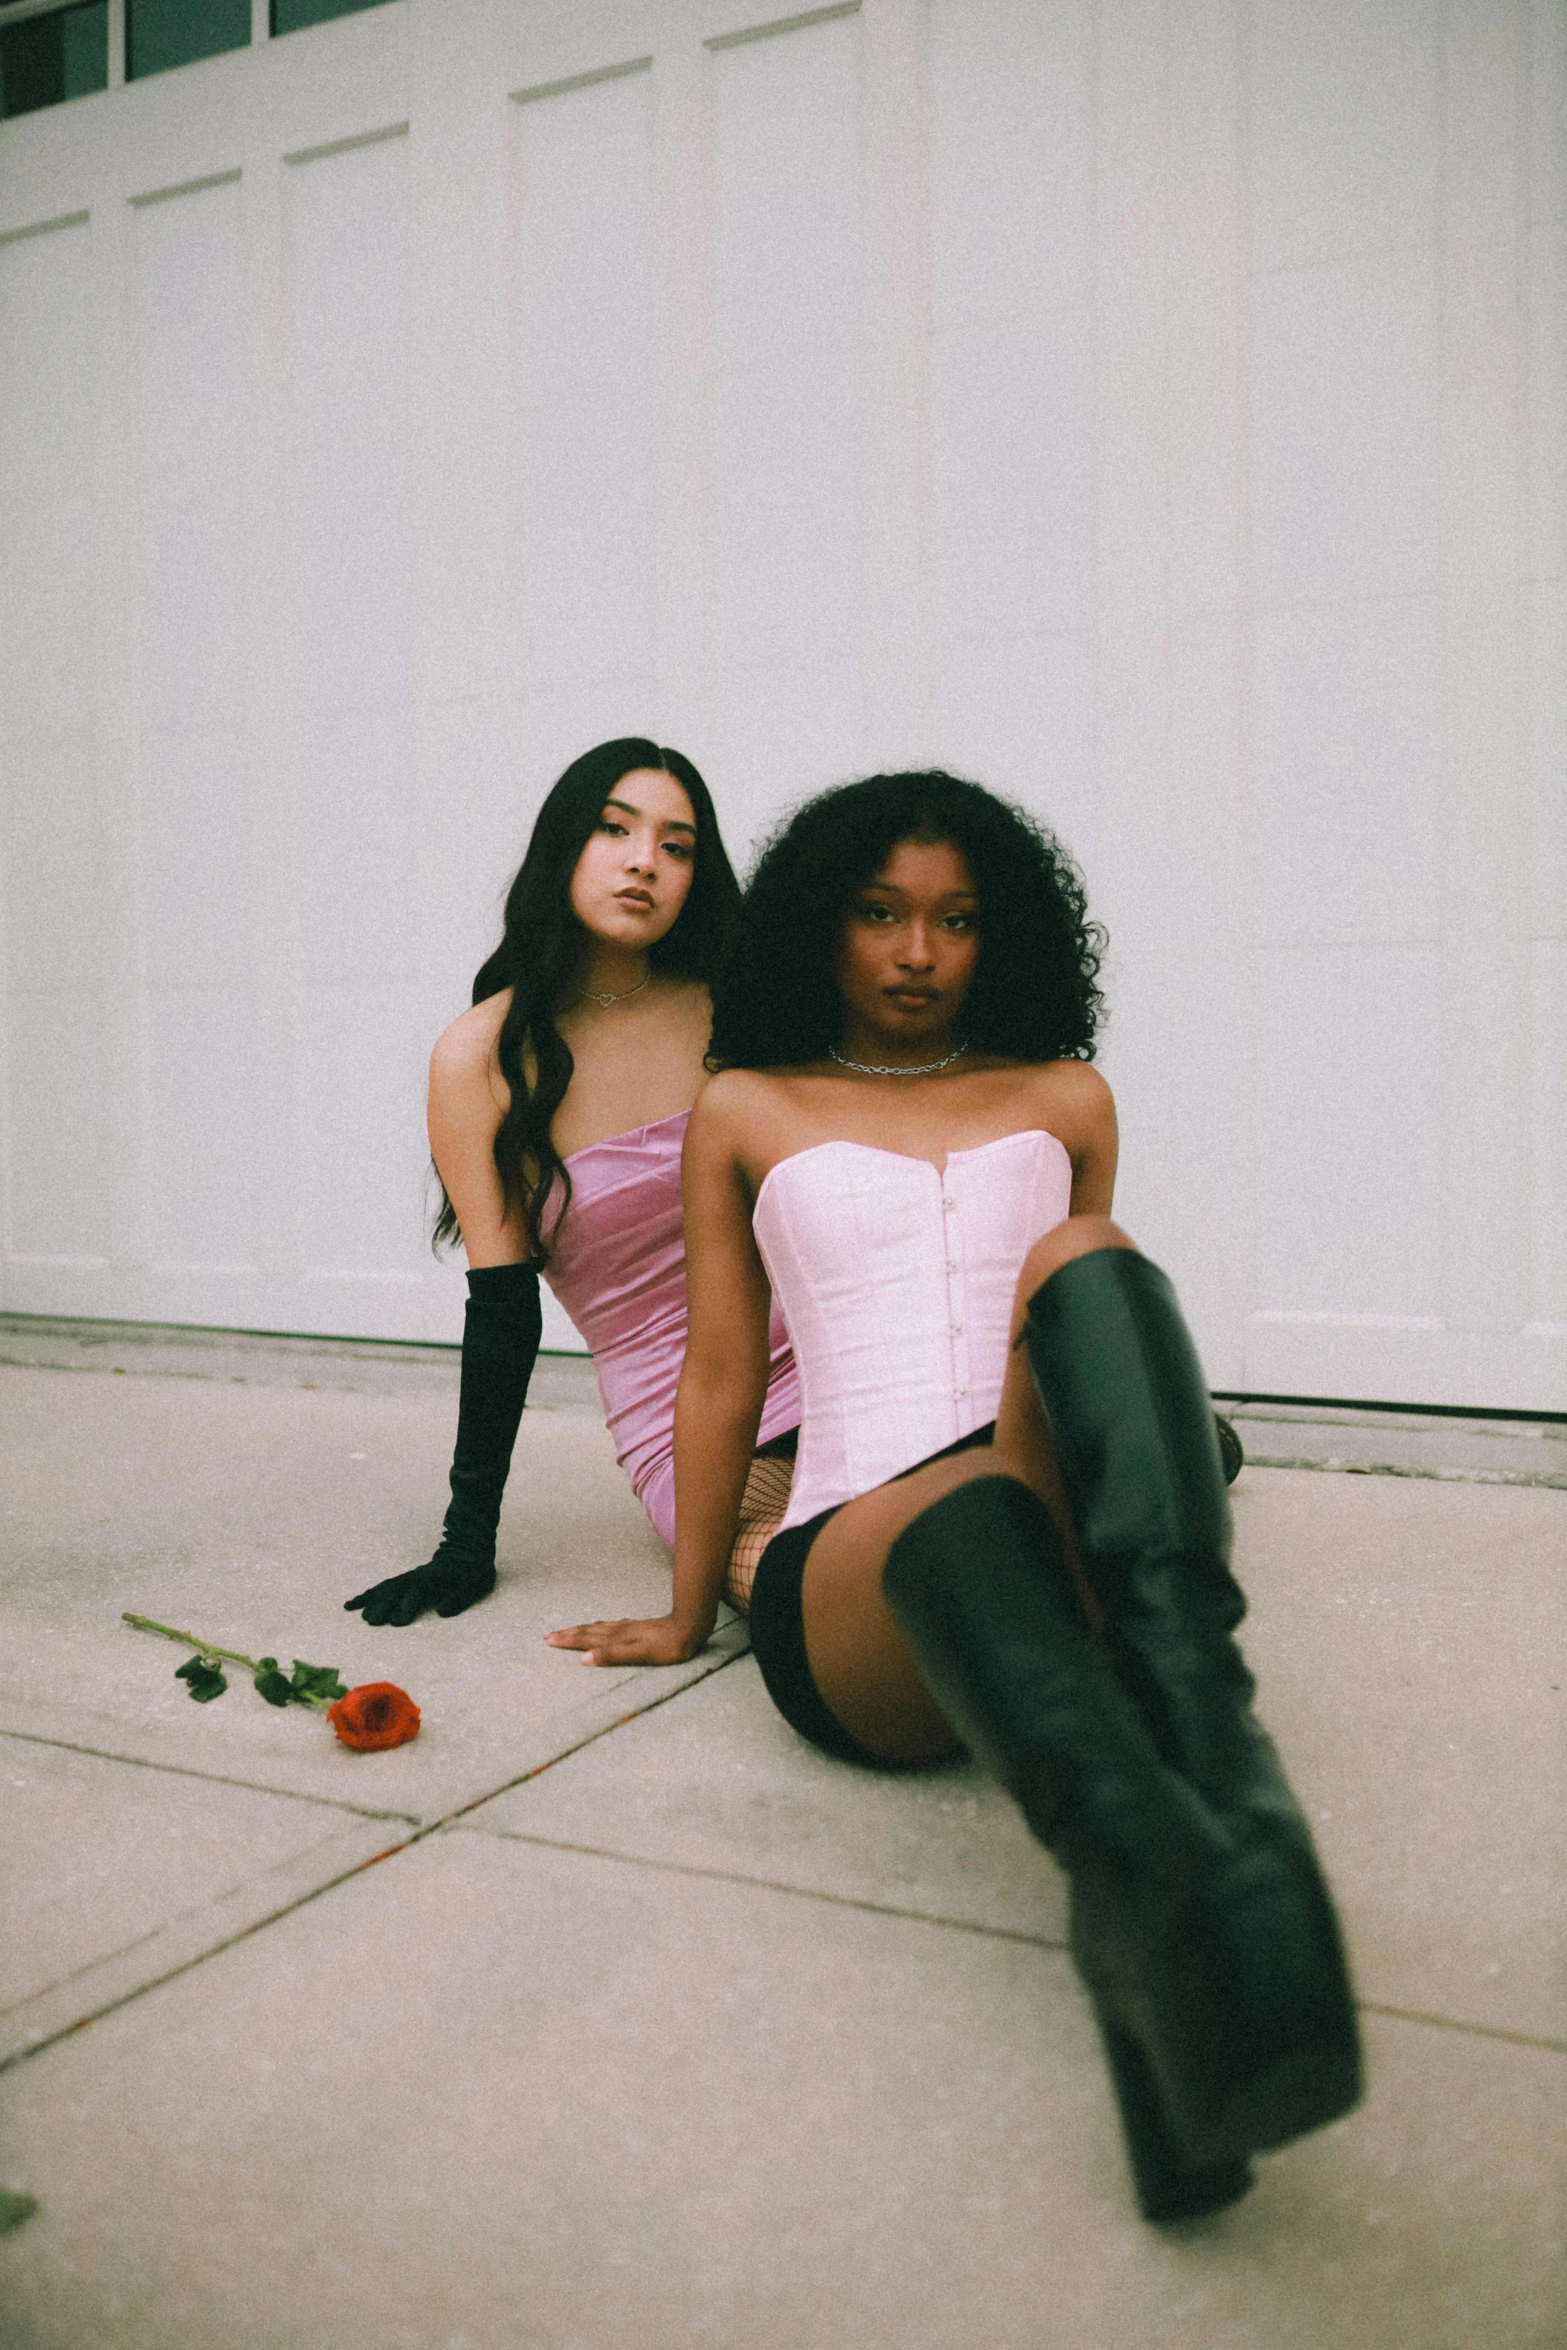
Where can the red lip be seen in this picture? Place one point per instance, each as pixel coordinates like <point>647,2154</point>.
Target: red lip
<point>634,897</point>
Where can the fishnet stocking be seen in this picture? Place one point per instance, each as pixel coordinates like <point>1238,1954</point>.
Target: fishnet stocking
<point>765,1499</point>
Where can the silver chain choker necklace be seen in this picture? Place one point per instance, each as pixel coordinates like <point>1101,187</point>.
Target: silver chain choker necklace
<point>877,1069</point>
<point>591,995</point>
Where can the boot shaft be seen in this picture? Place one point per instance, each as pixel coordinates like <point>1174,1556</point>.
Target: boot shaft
<point>980,1585</point>
<point>1134,1435</point>
<point>1131,1418</point>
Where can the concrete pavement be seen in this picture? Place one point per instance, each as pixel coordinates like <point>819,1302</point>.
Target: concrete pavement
<point>652,2026</point>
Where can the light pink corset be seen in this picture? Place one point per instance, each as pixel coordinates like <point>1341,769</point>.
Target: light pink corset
<point>896,1283</point>
<point>618,1266</point>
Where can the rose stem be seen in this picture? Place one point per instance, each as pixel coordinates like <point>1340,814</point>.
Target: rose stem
<point>204,1648</point>
<point>189,1639</point>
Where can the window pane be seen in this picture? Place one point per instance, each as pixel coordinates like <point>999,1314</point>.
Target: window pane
<point>86,33</point>
<point>289,16</point>
<point>53,57</point>
<point>161,33</point>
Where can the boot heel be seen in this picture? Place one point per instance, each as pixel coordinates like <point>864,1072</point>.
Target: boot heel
<point>1288,2060</point>
<point>1169,2185</point>
<point>1237,2010</point>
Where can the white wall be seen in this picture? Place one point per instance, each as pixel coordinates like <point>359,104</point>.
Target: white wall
<point>1153,410</point>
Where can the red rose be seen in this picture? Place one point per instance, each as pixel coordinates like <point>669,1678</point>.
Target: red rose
<point>374,1715</point>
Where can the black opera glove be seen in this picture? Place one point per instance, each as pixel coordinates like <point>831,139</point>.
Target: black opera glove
<point>500,1342</point>
<point>444,1583</point>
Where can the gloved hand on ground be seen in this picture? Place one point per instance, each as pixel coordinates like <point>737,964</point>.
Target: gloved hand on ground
<point>449,1583</point>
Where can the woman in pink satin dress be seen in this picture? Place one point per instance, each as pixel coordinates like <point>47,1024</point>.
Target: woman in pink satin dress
<point>558,1106</point>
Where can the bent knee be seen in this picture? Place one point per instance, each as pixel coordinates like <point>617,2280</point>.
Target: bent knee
<point>1075,1236</point>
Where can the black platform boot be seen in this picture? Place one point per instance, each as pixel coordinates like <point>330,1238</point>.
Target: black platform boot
<point>983,1593</point>
<point>1135,1441</point>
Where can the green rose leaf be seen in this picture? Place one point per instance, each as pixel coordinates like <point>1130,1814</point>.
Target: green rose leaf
<point>14,2208</point>
<point>205,1681</point>
<point>271,1683</point>
<point>316,1680</point>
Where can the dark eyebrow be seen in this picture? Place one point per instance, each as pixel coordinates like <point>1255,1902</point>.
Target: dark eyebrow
<point>895,889</point>
<point>671,824</point>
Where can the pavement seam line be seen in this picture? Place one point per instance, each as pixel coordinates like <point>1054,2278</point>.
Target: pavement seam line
<point>875,1909</point>
<point>420,1835</point>
<point>589,1738</point>
<point>1407,2015</point>
<point>63,1982</point>
<point>180,1917</point>
<point>1547,1480</point>
<point>684,1868</point>
<point>141,1762</point>
<point>199,1958</point>
<point>1448,2023</point>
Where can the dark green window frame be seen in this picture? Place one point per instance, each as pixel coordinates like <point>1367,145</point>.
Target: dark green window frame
<point>60,51</point>
<point>53,55</point>
<point>163,34</point>
<point>293,16</point>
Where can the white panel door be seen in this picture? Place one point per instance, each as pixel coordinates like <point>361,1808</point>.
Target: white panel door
<point>787,527</point>
<point>59,900</point>
<point>580,427</point>
<point>580,422</point>
<point>1157,414</point>
<point>196,872</point>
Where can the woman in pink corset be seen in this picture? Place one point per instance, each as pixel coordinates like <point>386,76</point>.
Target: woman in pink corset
<point>558,1106</point>
<point>1008,1528</point>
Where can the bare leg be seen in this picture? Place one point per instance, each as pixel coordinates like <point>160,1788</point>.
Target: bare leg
<point>859,1658</point>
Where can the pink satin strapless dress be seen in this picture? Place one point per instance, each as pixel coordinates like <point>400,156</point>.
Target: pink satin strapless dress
<point>896,1281</point>
<point>618,1266</point>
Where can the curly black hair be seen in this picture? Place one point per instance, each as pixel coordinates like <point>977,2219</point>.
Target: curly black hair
<point>1034,995</point>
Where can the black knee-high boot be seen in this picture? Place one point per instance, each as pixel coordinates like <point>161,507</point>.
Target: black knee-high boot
<point>983,1594</point>
<point>1134,1438</point>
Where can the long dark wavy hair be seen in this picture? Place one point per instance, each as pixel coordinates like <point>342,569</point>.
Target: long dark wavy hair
<point>543,948</point>
<point>1034,995</point>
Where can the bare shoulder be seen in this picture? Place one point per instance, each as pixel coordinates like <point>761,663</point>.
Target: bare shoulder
<point>1074,1102</point>
<point>1081,1085</point>
<point>728,1106</point>
<point>463,1066</point>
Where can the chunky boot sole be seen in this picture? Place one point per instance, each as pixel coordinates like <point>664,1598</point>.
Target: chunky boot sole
<point>1235,2009</point>
<point>1135,1439</point>
<point>982,1591</point>
<point>1169,2185</point>
<point>1290,2059</point>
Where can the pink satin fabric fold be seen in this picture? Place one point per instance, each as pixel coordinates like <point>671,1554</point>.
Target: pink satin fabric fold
<point>618,1266</point>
